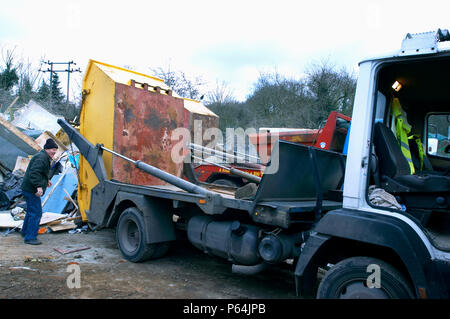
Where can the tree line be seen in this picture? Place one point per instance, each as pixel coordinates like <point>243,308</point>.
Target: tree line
<point>20,79</point>
<point>275,100</point>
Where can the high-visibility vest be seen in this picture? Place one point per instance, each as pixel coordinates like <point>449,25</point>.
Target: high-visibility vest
<point>402,130</point>
<point>420,149</point>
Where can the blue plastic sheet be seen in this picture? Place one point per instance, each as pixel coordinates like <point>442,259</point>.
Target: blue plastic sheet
<point>56,202</point>
<point>74,160</point>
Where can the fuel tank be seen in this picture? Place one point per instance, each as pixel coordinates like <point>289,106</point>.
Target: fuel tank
<point>227,239</point>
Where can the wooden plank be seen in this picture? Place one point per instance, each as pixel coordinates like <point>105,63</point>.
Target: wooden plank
<point>50,217</point>
<point>28,140</point>
<point>62,221</point>
<point>68,251</point>
<point>69,198</point>
<point>21,163</point>
<point>62,226</point>
<point>56,222</point>
<point>11,105</point>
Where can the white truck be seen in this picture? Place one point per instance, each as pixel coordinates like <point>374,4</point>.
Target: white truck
<point>374,222</point>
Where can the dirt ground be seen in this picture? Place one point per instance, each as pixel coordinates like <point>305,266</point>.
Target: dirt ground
<point>184,273</point>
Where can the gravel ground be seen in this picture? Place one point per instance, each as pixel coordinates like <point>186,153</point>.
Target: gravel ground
<point>184,273</point>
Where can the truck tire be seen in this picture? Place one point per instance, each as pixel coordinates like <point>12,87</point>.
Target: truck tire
<point>348,280</point>
<point>130,237</point>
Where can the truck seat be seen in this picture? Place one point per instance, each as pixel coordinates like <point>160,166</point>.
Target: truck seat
<point>397,179</point>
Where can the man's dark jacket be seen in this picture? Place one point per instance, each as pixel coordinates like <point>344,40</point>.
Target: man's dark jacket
<point>37,173</point>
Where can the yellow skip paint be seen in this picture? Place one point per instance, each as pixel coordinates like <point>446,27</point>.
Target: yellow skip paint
<point>96,124</point>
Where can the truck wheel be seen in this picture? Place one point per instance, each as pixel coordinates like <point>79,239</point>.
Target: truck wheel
<point>130,237</point>
<point>348,280</point>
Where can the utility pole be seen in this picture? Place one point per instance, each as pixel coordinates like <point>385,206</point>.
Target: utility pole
<point>68,70</point>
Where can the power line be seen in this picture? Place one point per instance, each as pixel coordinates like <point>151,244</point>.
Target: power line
<point>68,70</point>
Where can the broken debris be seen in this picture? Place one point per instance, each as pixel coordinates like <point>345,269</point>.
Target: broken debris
<point>72,250</point>
<point>16,150</point>
<point>62,226</point>
<point>34,116</point>
<point>82,229</point>
<point>14,143</point>
<point>22,268</point>
<point>7,221</point>
<point>11,185</point>
<point>39,259</point>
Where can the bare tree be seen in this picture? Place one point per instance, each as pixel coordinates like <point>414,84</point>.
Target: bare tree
<point>220,94</point>
<point>8,77</point>
<point>278,101</point>
<point>29,79</point>
<point>183,85</point>
<point>281,101</point>
<point>330,89</point>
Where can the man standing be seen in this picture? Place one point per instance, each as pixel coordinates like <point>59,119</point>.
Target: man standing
<point>34,184</point>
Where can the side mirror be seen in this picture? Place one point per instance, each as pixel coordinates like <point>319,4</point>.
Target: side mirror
<point>432,145</point>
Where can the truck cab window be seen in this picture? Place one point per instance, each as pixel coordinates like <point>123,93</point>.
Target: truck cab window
<point>438,133</point>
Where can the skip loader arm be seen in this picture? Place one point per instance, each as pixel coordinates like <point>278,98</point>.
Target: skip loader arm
<point>93,154</point>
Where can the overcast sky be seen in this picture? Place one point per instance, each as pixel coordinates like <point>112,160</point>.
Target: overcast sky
<point>231,41</point>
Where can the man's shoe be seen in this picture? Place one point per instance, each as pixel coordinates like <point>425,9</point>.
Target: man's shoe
<point>32,242</point>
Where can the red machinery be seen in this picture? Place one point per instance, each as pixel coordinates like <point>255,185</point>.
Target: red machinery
<point>330,136</point>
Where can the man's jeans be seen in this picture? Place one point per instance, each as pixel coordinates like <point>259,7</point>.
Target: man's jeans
<point>33,216</point>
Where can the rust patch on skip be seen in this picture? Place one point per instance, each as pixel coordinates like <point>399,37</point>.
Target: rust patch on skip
<point>143,126</point>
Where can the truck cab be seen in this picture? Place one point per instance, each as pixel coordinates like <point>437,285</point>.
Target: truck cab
<point>395,219</point>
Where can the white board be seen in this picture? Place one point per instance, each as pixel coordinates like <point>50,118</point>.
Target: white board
<point>7,221</point>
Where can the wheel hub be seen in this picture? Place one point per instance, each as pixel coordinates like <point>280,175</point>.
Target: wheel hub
<point>131,236</point>
<point>358,290</point>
